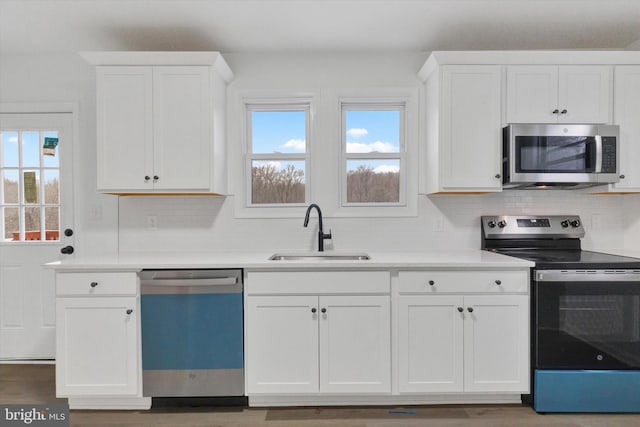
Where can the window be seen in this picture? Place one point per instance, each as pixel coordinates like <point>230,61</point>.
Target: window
<point>30,191</point>
<point>373,154</point>
<point>277,154</point>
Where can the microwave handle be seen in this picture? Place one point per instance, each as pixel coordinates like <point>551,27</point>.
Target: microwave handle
<point>598,139</point>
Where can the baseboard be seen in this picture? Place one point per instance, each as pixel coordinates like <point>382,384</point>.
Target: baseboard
<point>346,400</point>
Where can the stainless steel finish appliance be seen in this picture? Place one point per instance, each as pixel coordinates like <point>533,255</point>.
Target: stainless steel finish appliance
<point>542,156</point>
<point>192,333</point>
<point>585,308</point>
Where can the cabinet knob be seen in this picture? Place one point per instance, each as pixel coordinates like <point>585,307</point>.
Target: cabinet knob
<point>470,309</point>
<point>622,176</point>
<point>155,178</point>
<point>147,178</point>
<point>563,111</point>
<point>129,311</point>
<point>93,284</point>
<point>498,282</point>
<point>313,310</point>
<point>498,175</point>
<point>431,283</point>
<point>460,309</point>
<point>324,310</point>
<point>556,111</point>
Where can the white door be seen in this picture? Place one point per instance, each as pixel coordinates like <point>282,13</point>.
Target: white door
<point>181,117</point>
<point>496,343</point>
<point>282,344</point>
<point>97,346</point>
<point>584,94</point>
<point>471,131</point>
<point>355,344</point>
<point>430,343</point>
<point>36,208</point>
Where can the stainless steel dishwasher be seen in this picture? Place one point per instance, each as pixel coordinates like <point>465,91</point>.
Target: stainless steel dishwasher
<point>192,333</point>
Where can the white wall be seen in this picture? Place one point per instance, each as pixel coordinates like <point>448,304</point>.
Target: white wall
<point>105,223</point>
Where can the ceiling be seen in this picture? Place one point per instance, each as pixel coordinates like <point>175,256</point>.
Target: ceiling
<point>63,26</point>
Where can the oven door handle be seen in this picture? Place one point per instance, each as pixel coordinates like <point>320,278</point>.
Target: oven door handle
<point>587,276</point>
<point>598,165</point>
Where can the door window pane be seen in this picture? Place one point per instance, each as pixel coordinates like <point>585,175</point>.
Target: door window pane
<point>32,223</point>
<point>30,149</point>
<point>50,153</point>
<point>52,223</point>
<point>51,187</point>
<point>373,181</point>
<point>277,182</point>
<point>10,149</point>
<point>31,184</point>
<point>11,223</point>
<point>10,187</point>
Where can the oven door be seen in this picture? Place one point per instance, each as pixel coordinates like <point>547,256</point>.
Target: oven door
<point>587,319</point>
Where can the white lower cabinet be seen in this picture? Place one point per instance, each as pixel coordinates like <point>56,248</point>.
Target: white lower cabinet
<point>96,346</point>
<point>98,358</point>
<point>462,343</point>
<point>309,344</point>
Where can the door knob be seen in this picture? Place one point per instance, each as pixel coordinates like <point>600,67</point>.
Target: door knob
<point>67,250</point>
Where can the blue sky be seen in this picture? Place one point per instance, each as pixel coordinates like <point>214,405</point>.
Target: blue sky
<point>30,149</point>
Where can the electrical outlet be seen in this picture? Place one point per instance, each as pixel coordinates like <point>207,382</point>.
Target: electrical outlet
<point>152,222</point>
<point>438,224</point>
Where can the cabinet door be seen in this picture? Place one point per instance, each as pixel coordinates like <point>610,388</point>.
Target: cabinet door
<point>430,337</point>
<point>282,344</point>
<point>532,94</point>
<point>471,137</point>
<point>627,114</point>
<point>96,346</point>
<point>355,344</point>
<point>182,114</point>
<point>496,343</point>
<point>585,94</point>
<point>124,128</point>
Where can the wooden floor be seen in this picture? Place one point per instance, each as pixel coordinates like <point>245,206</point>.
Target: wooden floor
<point>34,384</point>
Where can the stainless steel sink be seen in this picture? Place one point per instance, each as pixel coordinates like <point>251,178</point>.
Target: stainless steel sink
<point>318,256</point>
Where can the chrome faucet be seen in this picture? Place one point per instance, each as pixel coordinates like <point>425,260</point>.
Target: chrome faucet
<point>321,235</point>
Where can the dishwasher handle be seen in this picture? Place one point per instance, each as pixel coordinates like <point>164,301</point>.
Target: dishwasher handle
<point>211,281</point>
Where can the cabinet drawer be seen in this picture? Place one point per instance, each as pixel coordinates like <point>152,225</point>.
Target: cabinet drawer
<point>97,283</point>
<point>434,282</point>
<point>318,282</point>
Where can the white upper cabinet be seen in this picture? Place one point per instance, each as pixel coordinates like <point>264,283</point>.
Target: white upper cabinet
<point>463,130</point>
<point>160,121</point>
<point>558,94</point>
<point>627,116</point>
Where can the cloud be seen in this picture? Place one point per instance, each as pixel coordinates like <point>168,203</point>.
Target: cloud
<point>12,139</point>
<point>371,147</point>
<point>386,169</point>
<point>297,145</point>
<point>357,132</point>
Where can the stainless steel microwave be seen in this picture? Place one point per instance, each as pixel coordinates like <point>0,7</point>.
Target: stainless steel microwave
<point>560,156</point>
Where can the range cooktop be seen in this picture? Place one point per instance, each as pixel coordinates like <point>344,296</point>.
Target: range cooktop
<point>551,241</point>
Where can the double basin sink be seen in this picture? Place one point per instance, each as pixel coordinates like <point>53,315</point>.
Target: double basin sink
<point>319,256</point>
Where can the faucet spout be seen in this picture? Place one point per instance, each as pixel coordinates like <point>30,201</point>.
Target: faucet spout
<point>322,236</point>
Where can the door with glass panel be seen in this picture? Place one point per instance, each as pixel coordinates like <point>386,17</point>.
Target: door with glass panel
<point>36,214</point>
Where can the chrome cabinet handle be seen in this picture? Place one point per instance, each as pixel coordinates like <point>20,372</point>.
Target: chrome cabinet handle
<point>563,111</point>
<point>556,111</point>
<point>147,178</point>
<point>324,310</point>
<point>498,282</point>
<point>470,309</point>
<point>460,309</point>
<point>155,178</point>
<point>498,175</point>
<point>93,284</point>
<point>622,176</point>
<point>313,310</point>
<point>431,283</point>
<point>129,311</point>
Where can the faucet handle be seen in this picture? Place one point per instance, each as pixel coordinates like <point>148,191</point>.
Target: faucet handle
<point>327,235</point>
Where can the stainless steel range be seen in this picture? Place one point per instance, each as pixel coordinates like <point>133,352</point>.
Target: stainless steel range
<point>585,335</point>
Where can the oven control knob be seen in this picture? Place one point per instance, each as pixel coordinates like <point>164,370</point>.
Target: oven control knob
<point>575,223</point>
<point>491,224</point>
<point>564,223</point>
<point>502,223</point>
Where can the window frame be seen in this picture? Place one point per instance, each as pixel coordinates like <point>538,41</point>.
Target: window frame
<point>22,205</point>
<point>274,105</point>
<point>374,104</point>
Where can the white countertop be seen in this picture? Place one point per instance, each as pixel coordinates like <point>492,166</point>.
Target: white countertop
<point>260,261</point>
